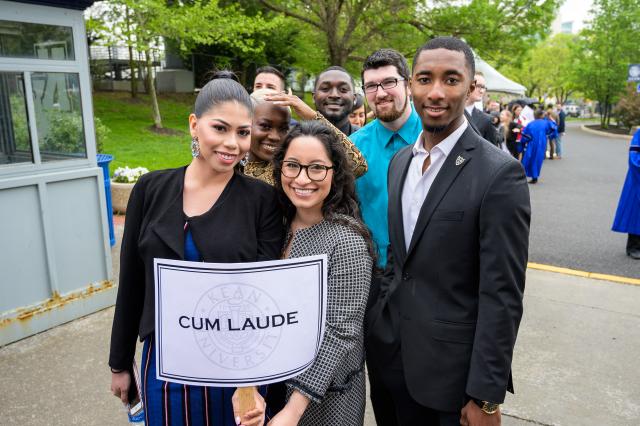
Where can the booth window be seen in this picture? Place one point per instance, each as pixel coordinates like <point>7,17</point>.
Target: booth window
<point>37,41</point>
<point>56,101</point>
<point>40,111</point>
<point>15,140</point>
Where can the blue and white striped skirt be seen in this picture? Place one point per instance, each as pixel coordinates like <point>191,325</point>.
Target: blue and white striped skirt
<point>171,404</point>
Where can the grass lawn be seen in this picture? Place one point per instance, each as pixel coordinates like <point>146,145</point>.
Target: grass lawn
<point>594,118</point>
<point>131,142</point>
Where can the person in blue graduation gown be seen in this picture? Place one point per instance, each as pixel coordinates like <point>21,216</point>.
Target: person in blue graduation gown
<point>534,138</point>
<point>627,218</point>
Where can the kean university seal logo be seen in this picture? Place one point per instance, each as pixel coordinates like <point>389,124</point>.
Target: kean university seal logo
<point>229,308</point>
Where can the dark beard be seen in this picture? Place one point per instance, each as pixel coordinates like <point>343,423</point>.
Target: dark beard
<point>394,114</point>
<point>434,129</point>
<point>336,117</point>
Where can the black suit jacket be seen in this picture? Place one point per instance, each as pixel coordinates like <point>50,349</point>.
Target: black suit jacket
<point>562,119</point>
<point>452,302</point>
<point>482,121</point>
<point>244,225</point>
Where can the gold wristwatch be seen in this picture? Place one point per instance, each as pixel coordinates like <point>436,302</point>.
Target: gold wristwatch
<point>486,406</point>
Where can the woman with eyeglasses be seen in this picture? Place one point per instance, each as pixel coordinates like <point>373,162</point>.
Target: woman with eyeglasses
<point>316,188</point>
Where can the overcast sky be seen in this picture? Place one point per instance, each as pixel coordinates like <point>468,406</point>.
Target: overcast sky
<point>576,11</point>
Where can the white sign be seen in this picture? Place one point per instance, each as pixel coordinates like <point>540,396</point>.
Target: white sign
<point>238,324</point>
<point>634,72</point>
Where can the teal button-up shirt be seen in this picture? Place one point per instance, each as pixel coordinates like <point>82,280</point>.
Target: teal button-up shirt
<point>378,145</point>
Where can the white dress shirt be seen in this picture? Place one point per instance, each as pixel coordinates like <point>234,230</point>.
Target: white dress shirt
<point>416,184</point>
<point>476,105</point>
<point>470,108</point>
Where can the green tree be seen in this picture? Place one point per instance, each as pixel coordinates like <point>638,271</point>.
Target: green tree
<point>556,64</point>
<point>605,48</point>
<point>526,73</point>
<point>143,24</point>
<point>628,108</point>
<point>274,35</point>
<point>500,30</point>
<point>548,69</point>
<point>345,30</point>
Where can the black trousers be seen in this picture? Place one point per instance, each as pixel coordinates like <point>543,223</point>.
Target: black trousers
<point>633,243</point>
<point>394,406</point>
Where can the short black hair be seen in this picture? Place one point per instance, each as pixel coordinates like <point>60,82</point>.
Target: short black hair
<point>449,43</point>
<point>334,68</point>
<point>268,69</point>
<point>359,102</point>
<point>384,57</point>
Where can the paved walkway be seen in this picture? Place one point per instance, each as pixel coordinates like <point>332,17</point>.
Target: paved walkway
<point>576,359</point>
<point>575,363</point>
<point>574,203</point>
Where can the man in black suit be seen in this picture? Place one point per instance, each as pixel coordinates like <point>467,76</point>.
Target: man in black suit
<point>441,333</point>
<point>480,119</point>
<point>562,119</point>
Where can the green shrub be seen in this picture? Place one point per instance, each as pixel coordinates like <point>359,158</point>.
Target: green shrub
<point>102,132</point>
<point>66,135</point>
<point>65,132</point>
<point>19,120</point>
<point>628,108</point>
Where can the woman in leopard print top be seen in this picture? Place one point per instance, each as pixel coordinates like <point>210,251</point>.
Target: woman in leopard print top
<point>270,125</point>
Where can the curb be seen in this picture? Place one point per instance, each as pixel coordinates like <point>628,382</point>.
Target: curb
<point>593,275</point>
<point>584,128</point>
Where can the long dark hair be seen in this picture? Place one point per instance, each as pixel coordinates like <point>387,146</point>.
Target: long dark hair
<point>342,198</point>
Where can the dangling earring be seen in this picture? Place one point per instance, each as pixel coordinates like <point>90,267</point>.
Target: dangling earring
<point>245,159</point>
<point>195,147</point>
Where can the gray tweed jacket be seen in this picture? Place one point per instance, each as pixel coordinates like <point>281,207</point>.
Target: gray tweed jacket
<point>335,382</point>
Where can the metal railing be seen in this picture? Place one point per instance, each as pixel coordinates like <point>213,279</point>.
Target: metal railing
<point>117,53</point>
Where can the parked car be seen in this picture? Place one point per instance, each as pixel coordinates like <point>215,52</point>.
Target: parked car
<point>572,110</point>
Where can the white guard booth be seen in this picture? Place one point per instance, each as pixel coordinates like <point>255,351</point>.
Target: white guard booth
<point>55,259</point>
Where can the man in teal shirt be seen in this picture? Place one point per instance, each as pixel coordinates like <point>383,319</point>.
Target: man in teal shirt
<point>385,78</point>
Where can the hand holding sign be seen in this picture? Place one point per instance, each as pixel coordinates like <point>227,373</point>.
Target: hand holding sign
<point>236,325</point>
<point>248,406</point>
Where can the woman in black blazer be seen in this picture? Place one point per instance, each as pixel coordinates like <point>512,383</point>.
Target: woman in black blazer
<point>206,211</point>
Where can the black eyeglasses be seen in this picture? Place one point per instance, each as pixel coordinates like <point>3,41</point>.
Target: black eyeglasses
<point>386,84</point>
<point>315,172</point>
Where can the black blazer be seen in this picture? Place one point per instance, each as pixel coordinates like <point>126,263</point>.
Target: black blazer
<point>487,130</point>
<point>244,225</point>
<point>453,301</point>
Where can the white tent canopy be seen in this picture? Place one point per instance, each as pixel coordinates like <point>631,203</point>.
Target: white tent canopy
<point>497,82</point>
